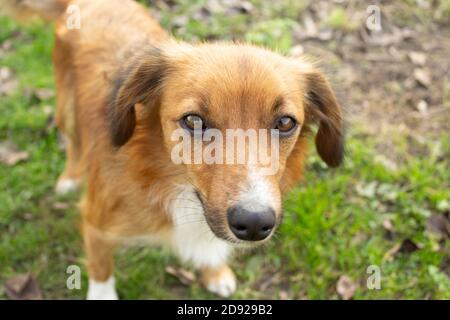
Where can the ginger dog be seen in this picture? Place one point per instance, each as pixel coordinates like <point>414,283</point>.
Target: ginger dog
<point>124,86</point>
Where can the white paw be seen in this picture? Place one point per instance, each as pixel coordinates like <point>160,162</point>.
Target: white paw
<point>102,290</point>
<point>65,186</point>
<point>223,286</point>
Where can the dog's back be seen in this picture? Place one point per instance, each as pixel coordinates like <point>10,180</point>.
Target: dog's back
<point>94,42</point>
<point>93,55</point>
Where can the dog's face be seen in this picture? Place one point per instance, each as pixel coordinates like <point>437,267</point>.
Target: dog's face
<point>210,96</point>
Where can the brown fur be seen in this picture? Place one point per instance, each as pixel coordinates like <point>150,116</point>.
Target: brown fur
<point>122,86</point>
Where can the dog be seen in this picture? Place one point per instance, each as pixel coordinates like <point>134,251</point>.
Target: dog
<point>124,86</point>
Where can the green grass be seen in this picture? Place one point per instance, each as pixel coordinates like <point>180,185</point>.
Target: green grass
<point>333,222</point>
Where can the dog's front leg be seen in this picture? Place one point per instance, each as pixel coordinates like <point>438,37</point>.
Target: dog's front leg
<point>219,280</point>
<point>99,253</point>
<point>209,254</point>
<point>194,242</point>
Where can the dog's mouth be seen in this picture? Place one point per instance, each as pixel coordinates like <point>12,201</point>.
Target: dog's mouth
<point>220,229</point>
<point>212,220</point>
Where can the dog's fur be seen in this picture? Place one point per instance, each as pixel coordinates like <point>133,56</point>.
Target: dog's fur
<point>122,84</point>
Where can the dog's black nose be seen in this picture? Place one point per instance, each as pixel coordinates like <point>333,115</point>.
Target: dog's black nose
<point>251,225</point>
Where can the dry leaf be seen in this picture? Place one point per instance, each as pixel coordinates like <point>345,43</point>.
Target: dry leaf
<point>310,26</point>
<point>387,224</point>
<point>7,45</point>
<point>269,281</point>
<point>406,246</point>
<point>44,93</point>
<point>422,76</point>
<point>23,287</point>
<point>61,205</point>
<point>185,277</point>
<point>180,21</point>
<point>386,162</point>
<point>439,225</point>
<point>386,38</point>
<point>284,295</point>
<point>7,82</point>
<point>345,287</point>
<point>47,110</point>
<point>245,7</point>
<point>418,58</point>
<point>10,154</point>
<point>422,107</point>
<point>389,255</point>
<point>297,51</point>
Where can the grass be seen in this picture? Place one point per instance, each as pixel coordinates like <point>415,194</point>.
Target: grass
<point>333,222</point>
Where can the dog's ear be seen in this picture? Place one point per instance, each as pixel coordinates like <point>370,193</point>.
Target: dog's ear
<point>322,107</point>
<point>141,83</point>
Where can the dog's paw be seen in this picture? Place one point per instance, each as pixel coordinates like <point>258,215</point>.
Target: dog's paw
<point>220,281</point>
<point>102,290</point>
<point>65,186</point>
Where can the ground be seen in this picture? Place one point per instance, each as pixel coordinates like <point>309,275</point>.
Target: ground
<point>387,206</point>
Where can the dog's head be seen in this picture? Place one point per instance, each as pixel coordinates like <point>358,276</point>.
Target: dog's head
<point>212,95</point>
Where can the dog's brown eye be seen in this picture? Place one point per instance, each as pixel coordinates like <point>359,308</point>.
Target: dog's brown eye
<point>285,125</point>
<point>192,122</point>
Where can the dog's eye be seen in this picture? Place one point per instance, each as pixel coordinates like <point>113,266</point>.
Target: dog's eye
<point>192,122</point>
<point>285,125</point>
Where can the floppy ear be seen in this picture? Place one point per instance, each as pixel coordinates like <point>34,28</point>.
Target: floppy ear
<point>322,106</point>
<point>142,83</point>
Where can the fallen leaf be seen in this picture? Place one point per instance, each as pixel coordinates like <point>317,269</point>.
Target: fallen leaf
<point>28,216</point>
<point>7,45</point>
<point>5,73</point>
<point>358,238</point>
<point>422,107</point>
<point>368,190</point>
<point>310,26</point>
<point>7,82</point>
<point>47,110</point>
<point>325,35</point>
<point>185,277</point>
<point>385,38</point>
<point>61,205</point>
<point>297,51</point>
<point>422,76</point>
<point>10,154</point>
<point>245,7</point>
<point>417,58</point>
<point>345,287</point>
<point>396,54</point>
<point>270,281</point>
<point>386,162</point>
<point>387,192</point>
<point>202,14</point>
<point>44,93</point>
<point>347,74</point>
<point>387,224</point>
<point>284,295</point>
<point>443,205</point>
<point>408,246</point>
<point>23,287</point>
<point>439,225</point>
<point>180,21</point>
